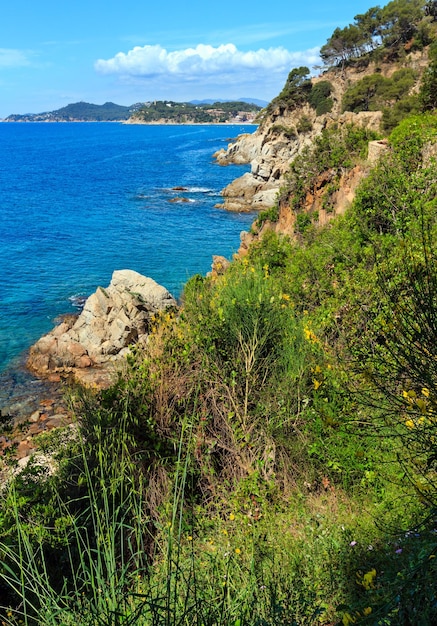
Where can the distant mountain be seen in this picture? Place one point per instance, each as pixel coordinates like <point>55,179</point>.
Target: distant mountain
<point>81,112</point>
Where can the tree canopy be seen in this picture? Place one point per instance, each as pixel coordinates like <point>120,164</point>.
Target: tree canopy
<point>390,27</point>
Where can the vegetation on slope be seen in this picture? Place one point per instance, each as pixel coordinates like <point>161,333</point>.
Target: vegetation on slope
<point>269,457</point>
<point>297,91</point>
<point>235,472</point>
<point>391,31</point>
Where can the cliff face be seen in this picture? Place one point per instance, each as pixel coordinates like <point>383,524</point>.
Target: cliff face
<point>270,153</point>
<point>284,134</point>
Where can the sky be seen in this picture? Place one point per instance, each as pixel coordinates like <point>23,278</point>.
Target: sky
<point>56,52</point>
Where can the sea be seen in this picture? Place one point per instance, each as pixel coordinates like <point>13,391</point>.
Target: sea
<point>80,200</point>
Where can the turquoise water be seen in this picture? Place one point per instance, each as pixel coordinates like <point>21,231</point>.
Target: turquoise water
<point>79,201</point>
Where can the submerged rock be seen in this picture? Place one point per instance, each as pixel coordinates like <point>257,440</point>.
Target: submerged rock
<point>112,319</point>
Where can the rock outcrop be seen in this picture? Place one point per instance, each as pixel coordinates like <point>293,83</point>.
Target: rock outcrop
<point>284,133</point>
<point>270,151</point>
<point>112,319</point>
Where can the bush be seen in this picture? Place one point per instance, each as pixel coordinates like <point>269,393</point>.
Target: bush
<point>412,188</point>
<point>319,97</point>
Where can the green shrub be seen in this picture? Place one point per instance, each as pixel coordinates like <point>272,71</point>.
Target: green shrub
<point>375,92</point>
<point>304,124</point>
<point>303,222</point>
<point>319,97</point>
<point>268,215</point>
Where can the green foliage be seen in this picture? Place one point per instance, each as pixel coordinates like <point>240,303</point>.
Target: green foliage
<point>303,222</point>
<point>319,97</point>
<point>270,215</point>
<point>405,107</point>
<point>243,324</point>
<point>412,188</point>
<point>375,92</point>
<point>386,29</point>
<point>361,96</point>
<point>82,111</point>
<point>333,152</point>
<point>295,91</point>
<point>280,129</point>
<point>410,139</point>
<point>272,251</point>
<point>304,124</point>
<point>268,457</point>
<point>428,89</point>
<point>399,356</point>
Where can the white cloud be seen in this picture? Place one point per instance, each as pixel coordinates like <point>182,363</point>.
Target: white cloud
<point>222,64</point>
<point>13,58</point>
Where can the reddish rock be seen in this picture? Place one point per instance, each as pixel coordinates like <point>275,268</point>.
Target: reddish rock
<point>56,421</point>
<point>34,429</point>
<point>23,449</point>
<point>76,349</point>
<point>47,402</point>
<point>84,361</point>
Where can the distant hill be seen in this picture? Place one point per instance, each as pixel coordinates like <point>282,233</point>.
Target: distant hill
<point>217,112</point>
<point>148,112</point>
<point>80,112</point>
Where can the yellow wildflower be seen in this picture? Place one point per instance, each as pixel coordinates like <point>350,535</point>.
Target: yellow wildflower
<point>367,610</point>
<point>409,424</point>
<point>421,403</point>
<point>425,392</point>
<point>368,579</point>
<point>237,551</point>
<point>316,383</point>
<point>310,335</point>
<point>232,517</point>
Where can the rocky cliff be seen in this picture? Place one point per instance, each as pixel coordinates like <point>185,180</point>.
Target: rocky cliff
<point>285,132</point>
<point>112,319</point>
<point>270,152</point>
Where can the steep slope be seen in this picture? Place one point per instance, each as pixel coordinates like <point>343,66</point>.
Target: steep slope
<point>286,131</point>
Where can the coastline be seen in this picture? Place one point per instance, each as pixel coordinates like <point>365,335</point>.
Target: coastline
<point>126,122</point>
<point>22,393</point>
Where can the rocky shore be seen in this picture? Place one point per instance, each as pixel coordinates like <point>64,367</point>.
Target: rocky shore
<point>86,348</point>
<point>270,150</point>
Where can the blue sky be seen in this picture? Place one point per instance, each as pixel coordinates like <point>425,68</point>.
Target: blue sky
<point>54,52</point>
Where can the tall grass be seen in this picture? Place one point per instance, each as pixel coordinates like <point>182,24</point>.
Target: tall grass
<point>102,556</point>
<point>112,580</point>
